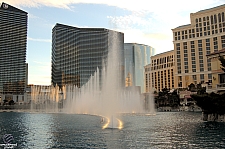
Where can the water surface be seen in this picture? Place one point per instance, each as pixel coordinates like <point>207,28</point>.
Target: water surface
<point>164,130</point>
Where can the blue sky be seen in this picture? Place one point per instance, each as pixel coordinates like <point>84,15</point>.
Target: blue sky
<point>144,21</point>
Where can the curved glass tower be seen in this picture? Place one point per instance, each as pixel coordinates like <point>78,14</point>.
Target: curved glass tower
<point>13,42</point>
<point>78,52</point>
<point>136,57</point>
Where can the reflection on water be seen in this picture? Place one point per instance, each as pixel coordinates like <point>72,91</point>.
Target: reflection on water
<point>165,130</point>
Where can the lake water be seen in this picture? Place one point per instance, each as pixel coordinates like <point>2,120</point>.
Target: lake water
<point>164,130</point>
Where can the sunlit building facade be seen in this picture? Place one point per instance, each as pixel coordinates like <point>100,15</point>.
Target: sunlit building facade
<point>218,75</point>
<point>192,42</point>
<point>160,73</point>
<point>13,43</point>
<point>136,56</point>
<point>78,52</point>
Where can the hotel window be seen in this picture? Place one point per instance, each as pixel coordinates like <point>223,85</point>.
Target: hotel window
<point>196,20</point>
<point>222,16</point>
<point>194,77</point>
<point>210,78</point>
<point>207,17</point>
<point>211,19</point>
<point>219,17</point>
<point>223,41</point>
<point>201,76</point>
<point>192,50</point>
<point>215,19</point>
<point>209,66</point>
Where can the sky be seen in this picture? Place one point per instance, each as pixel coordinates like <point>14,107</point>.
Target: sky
<point>142,21</point>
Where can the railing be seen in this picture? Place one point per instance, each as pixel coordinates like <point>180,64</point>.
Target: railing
<point>209,87</point>
<point>220,86</point>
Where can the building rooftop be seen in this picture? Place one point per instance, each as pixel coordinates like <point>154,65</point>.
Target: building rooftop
<point>211,8</point>
<point>87,29</point>
<point>139,44</point>
<point>8,7</point>
<point>217,52</point>
<point>163,53</point>
<point>183,26</point>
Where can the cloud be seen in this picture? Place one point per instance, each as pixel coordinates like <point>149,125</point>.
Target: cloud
<point>160,41</point>
<point>38,40</point>
<point>39,73</point>
<point>39,79</point>
<point>134,5</point>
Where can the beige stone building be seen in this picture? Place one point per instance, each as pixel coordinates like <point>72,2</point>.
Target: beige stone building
<point>160,73</point>
<point>218,75</point>
<point>192,42</point>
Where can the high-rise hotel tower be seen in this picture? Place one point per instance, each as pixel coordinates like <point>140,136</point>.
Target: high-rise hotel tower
<point>78,52</point>
<point>192,42</point>
<point>13,42</point>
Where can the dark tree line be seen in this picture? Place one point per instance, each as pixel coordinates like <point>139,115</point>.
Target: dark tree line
<point>210,103</point>
<point>167,98</point>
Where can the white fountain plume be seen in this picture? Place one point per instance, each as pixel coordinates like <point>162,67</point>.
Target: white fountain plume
<point>105,96</point>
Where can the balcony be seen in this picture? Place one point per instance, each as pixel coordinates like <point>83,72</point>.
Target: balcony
<point>220,86</point>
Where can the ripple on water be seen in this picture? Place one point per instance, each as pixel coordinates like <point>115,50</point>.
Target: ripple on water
<point>164,130</point>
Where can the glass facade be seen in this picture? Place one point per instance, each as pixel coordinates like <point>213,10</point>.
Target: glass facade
<point>136,57</point>
<point>13,41</point>
<point>78,52</point>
